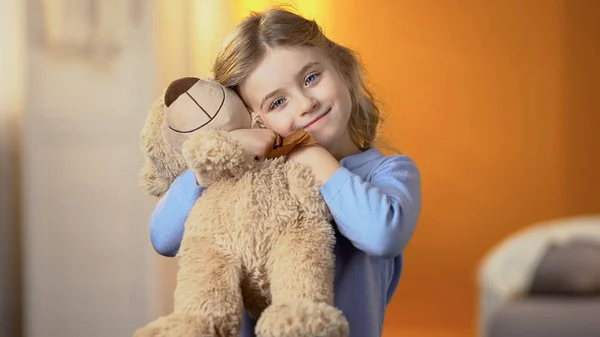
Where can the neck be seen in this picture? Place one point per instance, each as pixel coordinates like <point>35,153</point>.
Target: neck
<point>343,148</point>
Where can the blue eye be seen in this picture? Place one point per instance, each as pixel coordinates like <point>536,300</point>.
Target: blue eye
<point>310,78</point>
<point>278,102</point>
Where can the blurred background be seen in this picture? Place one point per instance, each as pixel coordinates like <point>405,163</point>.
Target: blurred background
<point>497,101</point>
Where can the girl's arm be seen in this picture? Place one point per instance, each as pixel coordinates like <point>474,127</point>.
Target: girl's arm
<point>171,212</point>
<point>379,216</point>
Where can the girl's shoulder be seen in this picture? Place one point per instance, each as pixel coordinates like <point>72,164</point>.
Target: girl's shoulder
<point>373,159</point>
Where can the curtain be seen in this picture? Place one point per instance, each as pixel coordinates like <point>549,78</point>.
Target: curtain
<point>12,45</point>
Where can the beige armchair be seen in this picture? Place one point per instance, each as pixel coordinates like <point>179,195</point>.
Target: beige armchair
<point>543,281</point>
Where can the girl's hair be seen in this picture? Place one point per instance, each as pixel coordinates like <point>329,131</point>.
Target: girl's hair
<point>278,27</point>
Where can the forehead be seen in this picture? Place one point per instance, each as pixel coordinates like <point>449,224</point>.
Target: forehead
<point>278,68</point>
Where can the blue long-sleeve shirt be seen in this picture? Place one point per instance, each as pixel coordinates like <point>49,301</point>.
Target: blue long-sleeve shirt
<point>375,201</point>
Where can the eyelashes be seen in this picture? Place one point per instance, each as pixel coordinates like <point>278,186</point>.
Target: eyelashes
<point>274,105</point>
<point>308,80</point>
<point>315,76</point>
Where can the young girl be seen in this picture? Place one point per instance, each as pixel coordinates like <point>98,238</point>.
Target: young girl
<point>284,68</point>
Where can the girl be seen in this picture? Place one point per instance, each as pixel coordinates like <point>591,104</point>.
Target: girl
<point>285,69</point>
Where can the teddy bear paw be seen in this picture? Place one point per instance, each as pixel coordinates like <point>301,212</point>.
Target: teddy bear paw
<point>302,318</point>
<point>173,325</point>
<point>214,154</point>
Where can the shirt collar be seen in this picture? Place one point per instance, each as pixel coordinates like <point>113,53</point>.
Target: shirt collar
<point>354,161</point>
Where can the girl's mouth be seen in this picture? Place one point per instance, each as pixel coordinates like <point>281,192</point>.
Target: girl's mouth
<point>314,121</point>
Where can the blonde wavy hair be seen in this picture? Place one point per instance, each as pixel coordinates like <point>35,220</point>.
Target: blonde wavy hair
<point>279,27</point>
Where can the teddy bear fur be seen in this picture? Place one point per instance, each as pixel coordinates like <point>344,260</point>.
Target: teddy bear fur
<point>259,238</point>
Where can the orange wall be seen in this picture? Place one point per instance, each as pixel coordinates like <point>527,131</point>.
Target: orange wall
<point>496,106</point>
<point>582,105</point>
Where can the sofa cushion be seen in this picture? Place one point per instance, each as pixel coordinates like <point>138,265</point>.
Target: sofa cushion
<point>572,268</point>
<point>547,316</point>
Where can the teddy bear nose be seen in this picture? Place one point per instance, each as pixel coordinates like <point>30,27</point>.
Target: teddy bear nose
<point>177,88</point>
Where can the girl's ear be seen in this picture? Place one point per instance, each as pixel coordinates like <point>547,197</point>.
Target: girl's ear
<point>257,122</point>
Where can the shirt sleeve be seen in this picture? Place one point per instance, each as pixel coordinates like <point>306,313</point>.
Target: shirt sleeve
<point>378,216</point>
<point>171,212</point>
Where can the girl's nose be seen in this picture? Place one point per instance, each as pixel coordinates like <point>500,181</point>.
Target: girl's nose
<point>309,104</point>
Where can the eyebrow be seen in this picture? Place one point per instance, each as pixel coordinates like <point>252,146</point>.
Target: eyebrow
<point>276,91</point>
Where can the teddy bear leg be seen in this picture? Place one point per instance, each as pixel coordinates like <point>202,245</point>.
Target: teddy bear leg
<point>208,286</point>
<point>175,324</point>
<point>207,299</point>
<point>301,277</point>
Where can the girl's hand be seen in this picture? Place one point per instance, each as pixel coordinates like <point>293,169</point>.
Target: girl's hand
<point>318,159</point>
<point>256,141</point>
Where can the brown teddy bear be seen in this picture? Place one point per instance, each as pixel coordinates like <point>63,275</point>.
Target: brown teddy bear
<point>260,236</point>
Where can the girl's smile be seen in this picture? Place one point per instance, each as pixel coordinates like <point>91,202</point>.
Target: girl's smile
<point>316,120</point>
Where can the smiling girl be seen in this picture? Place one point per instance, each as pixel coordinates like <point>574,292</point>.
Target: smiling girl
<point>286,70</point>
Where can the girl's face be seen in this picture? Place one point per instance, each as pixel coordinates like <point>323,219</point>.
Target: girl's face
<point>299,88</point>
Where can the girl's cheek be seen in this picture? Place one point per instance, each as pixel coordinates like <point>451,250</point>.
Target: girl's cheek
<point>283,126</point>
<point>267,121</point>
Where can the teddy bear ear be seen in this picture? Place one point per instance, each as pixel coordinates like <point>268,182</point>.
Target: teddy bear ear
<point>161,164</point>
<point>207,78</point>
<point>257,122</point>
<point>178,88</point>
<point>151,182</point>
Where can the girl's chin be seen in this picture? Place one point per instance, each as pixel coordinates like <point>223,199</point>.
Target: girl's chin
<point>324,135</point>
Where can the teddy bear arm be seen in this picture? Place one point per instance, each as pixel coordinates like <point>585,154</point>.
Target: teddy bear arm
<point>214,155</point>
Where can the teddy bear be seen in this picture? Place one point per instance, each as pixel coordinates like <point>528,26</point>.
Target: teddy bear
<point>258,239</point>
